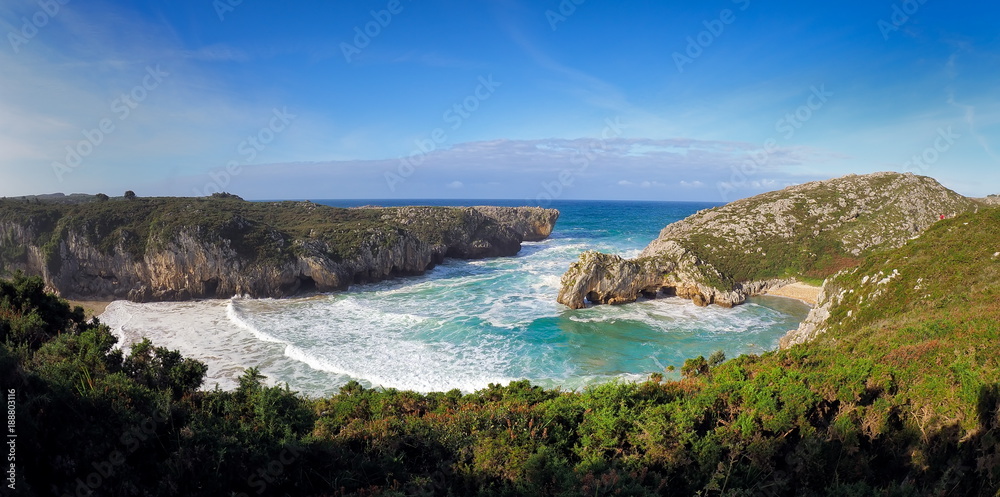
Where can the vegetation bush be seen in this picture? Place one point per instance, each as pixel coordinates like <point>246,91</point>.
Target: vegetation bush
<point>900,398</point>
<point>261,233</point>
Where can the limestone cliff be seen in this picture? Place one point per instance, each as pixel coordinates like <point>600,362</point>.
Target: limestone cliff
<point>723,255</point>
<point>178,249</point>
<point>532,223</point>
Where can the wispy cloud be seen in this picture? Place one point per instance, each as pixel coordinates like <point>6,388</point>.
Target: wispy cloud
<point>217,53</point>
<point>676,168</point>
<point>968,111</point>
<point>91,66</point>
<point>430,59</point>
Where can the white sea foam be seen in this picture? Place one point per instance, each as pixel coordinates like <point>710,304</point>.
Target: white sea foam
<point>406,365</point>
<point>117,316</point>
<point>234,316</point>
<point>346,336</point>
<point>464,324</point>
<point>203,331</point>
<point>676,314</point>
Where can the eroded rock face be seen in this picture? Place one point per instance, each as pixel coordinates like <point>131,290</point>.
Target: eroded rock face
<point>609,279</point>
<point>813,325</point>
<point>723,255</point>
<point>534,224</point>
<point>192,264</point>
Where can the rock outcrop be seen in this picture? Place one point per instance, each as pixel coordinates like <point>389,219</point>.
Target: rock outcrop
<point>180,249</point>
<point>814,322</point>
<point>992,200</point>
<point>723,255</point>
<point>534,224</point>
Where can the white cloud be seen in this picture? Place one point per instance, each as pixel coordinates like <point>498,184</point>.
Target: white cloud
<point>518,169</point>
<point>763,183</point>
<point>67,82</point>
<point>652,184</point>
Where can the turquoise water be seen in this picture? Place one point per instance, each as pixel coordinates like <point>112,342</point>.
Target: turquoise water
<point>466,324</point>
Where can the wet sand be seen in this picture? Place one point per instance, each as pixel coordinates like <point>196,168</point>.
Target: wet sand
<point>90,307</point>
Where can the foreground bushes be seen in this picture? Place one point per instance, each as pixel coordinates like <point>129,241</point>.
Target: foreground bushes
<point>897,408</point>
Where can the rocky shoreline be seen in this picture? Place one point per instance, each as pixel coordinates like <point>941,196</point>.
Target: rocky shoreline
<point>175,249</point>
<point>723,255</point>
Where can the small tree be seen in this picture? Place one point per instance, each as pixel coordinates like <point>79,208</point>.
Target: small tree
<point>695,367</point>
<point>226,195</point>
<point>129,195</point>
<point>717,357</point>
<point>162,369</point>
<point>102,197</point>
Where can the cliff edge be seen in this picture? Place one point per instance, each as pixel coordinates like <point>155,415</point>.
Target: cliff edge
<point>725,254</point>
<point>147,249</point>
<point>949,273</point>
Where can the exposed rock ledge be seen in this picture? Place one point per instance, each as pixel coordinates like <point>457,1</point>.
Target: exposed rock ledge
<point>180,249</point>
<point>608,279</point>
<point>812,326</point>
<point>726,254</point>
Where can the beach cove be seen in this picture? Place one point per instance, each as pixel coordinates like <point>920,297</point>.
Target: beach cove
<point>466,323</point>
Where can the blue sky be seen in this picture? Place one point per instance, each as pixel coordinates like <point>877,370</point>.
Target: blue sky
<point>586,99</point>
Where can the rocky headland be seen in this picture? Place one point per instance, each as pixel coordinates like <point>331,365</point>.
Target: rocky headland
<point>725,254</point>
<point>154,249</point>
<point>956,264</point>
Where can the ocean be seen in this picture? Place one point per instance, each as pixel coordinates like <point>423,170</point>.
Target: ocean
<point>466,324</point>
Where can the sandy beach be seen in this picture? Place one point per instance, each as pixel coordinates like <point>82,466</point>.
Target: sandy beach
<point>801,291</point>
<point>90,307</point>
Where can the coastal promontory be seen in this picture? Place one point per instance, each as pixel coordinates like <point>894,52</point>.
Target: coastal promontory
<point>152,249</point>
<point>810,231</point>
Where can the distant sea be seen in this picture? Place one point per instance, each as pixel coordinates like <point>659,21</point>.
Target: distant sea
<point>466,324</point>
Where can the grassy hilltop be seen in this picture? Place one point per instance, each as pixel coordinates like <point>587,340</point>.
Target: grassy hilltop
<point>804,232</point>
<point>257,231</point>
<point>897,395</point>
<point>176,248</point>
